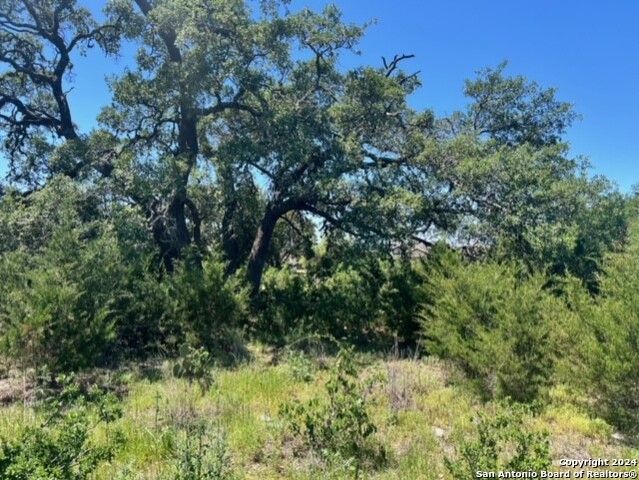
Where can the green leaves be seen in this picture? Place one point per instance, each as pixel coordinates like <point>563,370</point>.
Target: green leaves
<point>502,442</point>
<point>69,276</point>
<point>514,111</point>
<point>338,426</point>
<point>325,34</point>
<point>61,448</point>
<point>194,365</point>
<point>206,306</point>
<point>38,43</point>
<point>499,324</point>
<point>605,338</point>
<point>57,308</point>
<point>531,202</point>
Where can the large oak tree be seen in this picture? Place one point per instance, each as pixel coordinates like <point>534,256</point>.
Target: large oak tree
<point>235,117</point>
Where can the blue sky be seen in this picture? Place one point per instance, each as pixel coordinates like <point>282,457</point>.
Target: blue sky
<point>588,50</point>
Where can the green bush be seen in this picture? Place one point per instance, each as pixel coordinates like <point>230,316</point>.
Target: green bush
<point>86,297</point>
<point>200,455</point>
<point>495,322</point>
<point>142,322</point>
<point>399,300</point>
<point>61,448</point>
<point>194,365</point>
<point>28,222</point>
<point>57,307</point>
<point>604,359</point>
<point>355,300</point>
<point>338,426</point>
<point>206,306</point>
<point>76,289</point>
<point>284,304</point>
<point>337,303</point>
<point>501,442</point>
<point>344,303</point>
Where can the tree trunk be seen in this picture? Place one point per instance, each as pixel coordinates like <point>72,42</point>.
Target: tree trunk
<point>170,230</point>
<point>259,251</point>
<point>230,242</point>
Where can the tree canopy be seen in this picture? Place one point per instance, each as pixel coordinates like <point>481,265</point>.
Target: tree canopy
<point>237,124</point>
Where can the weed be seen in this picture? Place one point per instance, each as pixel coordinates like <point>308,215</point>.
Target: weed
<point>60,448</point>
<point>194,365</point>
<point>501,444</point>
<point>302,369</point>
<point>339,428</point>
<point>200,455</point>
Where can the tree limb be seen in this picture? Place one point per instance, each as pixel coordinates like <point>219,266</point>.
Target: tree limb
<point>391,66</point>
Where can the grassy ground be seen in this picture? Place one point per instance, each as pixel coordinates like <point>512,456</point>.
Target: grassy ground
<point>422,410</point>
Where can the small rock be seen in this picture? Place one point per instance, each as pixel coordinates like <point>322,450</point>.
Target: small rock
<point>439,432</point>
<point>620,437</point>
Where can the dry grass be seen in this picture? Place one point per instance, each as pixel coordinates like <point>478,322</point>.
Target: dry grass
<point>421,407</point>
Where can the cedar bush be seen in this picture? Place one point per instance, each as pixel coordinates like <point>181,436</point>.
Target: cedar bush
<point>86,291</point>
<point>604,359</point>
<point>357,300</point>
<point>205,306</point>
<point>57,307</point>
<point>340,303</point>
<point>61,448</point>
<point>338,426</point>
<point>494,321</point>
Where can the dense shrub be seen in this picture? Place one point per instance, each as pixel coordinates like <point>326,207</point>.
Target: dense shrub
<point>495,322</point>
<point>356,300</point>
<point>340,303</point>
<point>61,448</point>
<point>399,297</point>
<point>57,307</point>
<point>206,306</point>
<point>605,355</point>
<point>87,295</point>
<point>77,287</point>
<point>501,442</point>
<point>283,306</point>
<point>29,222</point>
<point>338,426</point>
